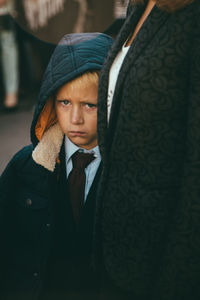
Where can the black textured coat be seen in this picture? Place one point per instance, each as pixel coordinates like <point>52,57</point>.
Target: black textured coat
<point>148,217</point>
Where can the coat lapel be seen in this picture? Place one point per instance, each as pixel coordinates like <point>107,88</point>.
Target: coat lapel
<point>131,22</point>
<point>148,31</point>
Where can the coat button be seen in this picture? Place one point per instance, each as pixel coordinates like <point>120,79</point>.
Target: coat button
<point>48,226</point>
<point>35,274</point>
<point>29,202</point>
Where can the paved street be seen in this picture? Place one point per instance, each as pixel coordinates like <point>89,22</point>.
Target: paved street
<point>14,130</point>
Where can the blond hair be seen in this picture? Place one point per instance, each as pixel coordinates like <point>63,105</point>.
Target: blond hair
<point>88,78</point>
<point>168,5</point>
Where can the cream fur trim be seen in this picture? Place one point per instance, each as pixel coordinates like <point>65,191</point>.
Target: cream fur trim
<point>48,149</point>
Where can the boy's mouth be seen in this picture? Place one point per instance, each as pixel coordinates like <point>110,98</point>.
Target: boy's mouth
<point>77,133</point>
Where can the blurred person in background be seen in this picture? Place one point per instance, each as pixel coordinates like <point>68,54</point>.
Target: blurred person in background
<point>9,55</point>
<point>148,207</point>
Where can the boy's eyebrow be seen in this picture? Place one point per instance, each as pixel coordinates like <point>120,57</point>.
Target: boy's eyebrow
<point>83,101</point>
<point>62,99</point>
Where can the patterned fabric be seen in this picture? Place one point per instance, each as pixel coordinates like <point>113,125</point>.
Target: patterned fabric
<point>148,208</point>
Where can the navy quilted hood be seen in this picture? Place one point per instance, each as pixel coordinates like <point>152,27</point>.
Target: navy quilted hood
<point>74,55</point>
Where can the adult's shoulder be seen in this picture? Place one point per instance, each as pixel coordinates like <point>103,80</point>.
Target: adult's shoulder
<point>196,9</point>
<point>196,4</point>
<point>129,8</point>
<point>193,7</point>
<point>194,16</point>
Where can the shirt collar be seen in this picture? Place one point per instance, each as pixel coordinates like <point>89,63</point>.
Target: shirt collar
<point>71,148</point>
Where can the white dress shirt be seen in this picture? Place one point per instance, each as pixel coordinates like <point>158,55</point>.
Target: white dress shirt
<point>114,72</point>
<point>90,171</point>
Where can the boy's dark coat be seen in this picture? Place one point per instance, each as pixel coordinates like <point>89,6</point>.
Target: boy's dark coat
<point>36,222</point>
<point>29,236</point>
<point>148,222</point>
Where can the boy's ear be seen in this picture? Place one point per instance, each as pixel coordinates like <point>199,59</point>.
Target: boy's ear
<point>46,119</point>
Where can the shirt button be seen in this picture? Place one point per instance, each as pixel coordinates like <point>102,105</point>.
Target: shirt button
<point>29,202</point>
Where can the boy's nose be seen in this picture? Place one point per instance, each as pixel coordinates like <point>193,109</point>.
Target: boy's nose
<point>76,116</point>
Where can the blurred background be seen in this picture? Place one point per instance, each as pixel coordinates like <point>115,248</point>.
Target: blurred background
<point>29,32</point>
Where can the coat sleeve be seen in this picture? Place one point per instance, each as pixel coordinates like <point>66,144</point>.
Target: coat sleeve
<point>179,275</point>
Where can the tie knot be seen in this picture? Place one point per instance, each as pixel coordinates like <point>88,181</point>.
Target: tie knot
<point>81,160</point>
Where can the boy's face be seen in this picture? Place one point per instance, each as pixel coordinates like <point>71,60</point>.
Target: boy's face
<point>76,109</point>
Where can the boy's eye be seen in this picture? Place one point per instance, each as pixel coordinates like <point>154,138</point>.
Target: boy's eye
<point>64,102</point>
<point>90,105</point>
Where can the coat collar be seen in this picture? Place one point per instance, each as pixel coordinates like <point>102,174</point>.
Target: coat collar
<point>131,22</point>
<point>47,150</point>
<point>148,31</point>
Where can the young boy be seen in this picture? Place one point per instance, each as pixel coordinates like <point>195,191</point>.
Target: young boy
<point>47,192</point>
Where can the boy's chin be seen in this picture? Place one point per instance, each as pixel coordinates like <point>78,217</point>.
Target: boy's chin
<point>82,143</point>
